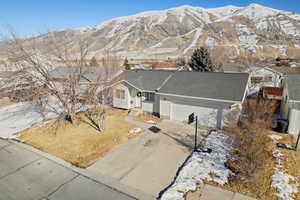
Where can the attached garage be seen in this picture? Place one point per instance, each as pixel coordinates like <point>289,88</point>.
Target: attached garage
<point>209,95</point>
<point>206,116</point>
<point>210,113</point>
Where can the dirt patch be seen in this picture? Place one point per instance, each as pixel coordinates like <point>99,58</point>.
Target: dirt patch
<point>80,144</point>
<point>146,118</point>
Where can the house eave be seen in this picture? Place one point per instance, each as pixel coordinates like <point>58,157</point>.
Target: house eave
<point>293,101</point>
<point>199,98</point>
<point>121,81</point>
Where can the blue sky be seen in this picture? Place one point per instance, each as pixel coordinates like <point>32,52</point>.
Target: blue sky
<point>31,17</point>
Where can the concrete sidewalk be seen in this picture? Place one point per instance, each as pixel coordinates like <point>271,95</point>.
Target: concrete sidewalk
<point>150,161</point>
<point>28,174</point>
<point>208,192</point>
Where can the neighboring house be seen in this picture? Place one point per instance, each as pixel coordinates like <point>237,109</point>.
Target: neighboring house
<point>263,76</point>
<point>290,107</point>
<point>274,93</point>
<point>175,95</point>
<point>100,77</point>
<point>88,75</point>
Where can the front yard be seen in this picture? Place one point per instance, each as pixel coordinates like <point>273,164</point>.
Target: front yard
<point>244,159</point>
<point>277,179</point>
<point>271,182</point>
<point>80,144</point>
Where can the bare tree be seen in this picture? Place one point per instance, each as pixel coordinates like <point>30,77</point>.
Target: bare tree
<point>220,56</point>
<point>252,150</point>
<point>38,58</point>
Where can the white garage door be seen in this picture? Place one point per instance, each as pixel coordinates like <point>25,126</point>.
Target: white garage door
<point>206,116</point>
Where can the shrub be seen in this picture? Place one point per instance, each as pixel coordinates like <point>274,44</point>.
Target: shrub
<point>251,150</point>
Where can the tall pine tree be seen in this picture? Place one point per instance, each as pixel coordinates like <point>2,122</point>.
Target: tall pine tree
<point>126,64</point>
<point>201,61</point>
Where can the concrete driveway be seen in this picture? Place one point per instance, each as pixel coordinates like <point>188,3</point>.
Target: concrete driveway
<point>150,161</point>
<point>28,175</point>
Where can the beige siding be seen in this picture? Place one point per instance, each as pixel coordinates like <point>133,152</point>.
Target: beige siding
<point>121,103</point>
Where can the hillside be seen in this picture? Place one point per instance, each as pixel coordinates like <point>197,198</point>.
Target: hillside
<point>257,30</point>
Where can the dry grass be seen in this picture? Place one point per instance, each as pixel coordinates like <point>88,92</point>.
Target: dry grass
<point>292,160</point>
<point>145,118</point>
<point>258,185</point>
<point>80,144</point>
<point>262,189</point>
<point>256,164</point>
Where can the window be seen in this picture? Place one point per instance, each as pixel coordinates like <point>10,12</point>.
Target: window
<point>268,79</point>
<point>256,79</point>
<point>149,96</point>
<point>120,94</point>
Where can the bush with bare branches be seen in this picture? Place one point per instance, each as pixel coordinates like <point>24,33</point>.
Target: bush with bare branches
<point>251,150</point>
<point>37,58</point>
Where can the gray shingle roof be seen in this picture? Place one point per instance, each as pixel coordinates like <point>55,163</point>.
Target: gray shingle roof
<point>146,79</point>
<point>211,85</point>
<point>293,82</point>
<point>89,74</point>
<point>286,70</point>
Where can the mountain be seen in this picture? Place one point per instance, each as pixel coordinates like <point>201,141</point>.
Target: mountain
<point>261,31</point>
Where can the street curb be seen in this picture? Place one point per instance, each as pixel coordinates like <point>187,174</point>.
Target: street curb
<point>110,182</point>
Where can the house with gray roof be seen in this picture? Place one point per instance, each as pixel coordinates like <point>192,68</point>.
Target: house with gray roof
<point>87,75</point>
<point>263,75</point>
<point>290,107</point>
<point>177,94</point>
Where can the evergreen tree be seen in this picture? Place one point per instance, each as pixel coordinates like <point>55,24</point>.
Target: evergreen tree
<point>201,61</point>
<point>126,64</point>
<point>93,62</point>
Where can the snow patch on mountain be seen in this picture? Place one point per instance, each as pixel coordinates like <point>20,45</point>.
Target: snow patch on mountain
<point>223,11</point>
<point>247,37</point>
<point>281,48</point>
<point>262,24</point>
<point>198,33</point>
<point>210,42</point>
<point>289,28</point>
<point>255,11</point>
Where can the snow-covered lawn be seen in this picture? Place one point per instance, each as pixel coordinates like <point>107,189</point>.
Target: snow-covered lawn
<point>203,166</point>
<point>20,116</point>
<point>285,184</point>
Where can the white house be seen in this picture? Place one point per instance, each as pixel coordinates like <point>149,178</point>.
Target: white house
<point>264,76</point>
<point>290,107</point>
<point>175,95</point>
